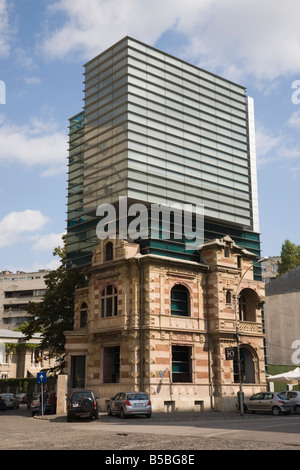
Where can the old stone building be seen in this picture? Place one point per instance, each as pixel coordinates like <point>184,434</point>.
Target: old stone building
<point>161,325</point>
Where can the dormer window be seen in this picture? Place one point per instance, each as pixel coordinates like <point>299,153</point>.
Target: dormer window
<point>108,251</point>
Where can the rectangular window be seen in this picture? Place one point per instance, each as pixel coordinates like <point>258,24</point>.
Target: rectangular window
<point>77,371</point>
<point>181,364</point>
<point>111,364</point>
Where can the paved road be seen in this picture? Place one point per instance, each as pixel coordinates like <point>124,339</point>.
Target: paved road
<point>176,431</point>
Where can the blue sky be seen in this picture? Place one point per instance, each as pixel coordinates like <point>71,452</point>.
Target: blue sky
<point>43,46</point>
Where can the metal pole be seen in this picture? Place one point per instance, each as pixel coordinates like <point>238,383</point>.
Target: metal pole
<point>42,402</point>
<point>238,337</point>
<point>238,350</point>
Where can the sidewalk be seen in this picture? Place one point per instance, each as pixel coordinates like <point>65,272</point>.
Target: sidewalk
<point>175,416</point>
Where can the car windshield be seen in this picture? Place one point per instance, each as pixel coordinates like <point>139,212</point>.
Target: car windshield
<point>137,396</point>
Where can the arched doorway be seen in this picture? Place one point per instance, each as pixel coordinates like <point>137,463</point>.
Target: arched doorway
<point>247,359</point>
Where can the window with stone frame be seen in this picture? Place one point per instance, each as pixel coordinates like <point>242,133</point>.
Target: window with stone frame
<point>77,376</point>
<point>180,300</point>
<point>109,301</point>
<point>228,297</point>
<point>181,364</point>
<point>83,315</point>
<point>111,364</point>
<point>108,251</point>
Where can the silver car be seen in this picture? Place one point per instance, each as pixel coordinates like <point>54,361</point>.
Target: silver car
<point>273,402</point>
<point>10,400</point>
<point>130,403</point>
<point>294,397</point>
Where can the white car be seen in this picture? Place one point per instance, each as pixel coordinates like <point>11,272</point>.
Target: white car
<point>10,400</point>
<point>294,398</point>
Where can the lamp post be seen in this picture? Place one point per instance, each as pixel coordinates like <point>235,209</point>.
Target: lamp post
<point>237,333</point>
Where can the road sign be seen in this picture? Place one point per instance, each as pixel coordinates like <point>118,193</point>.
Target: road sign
<point>230,353</point>
<point>41,377</point>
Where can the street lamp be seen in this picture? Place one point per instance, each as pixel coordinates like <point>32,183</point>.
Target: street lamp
<point>237,334</point>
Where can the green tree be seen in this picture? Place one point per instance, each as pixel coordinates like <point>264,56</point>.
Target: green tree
<point>54,314</point>
<point>290,257</point>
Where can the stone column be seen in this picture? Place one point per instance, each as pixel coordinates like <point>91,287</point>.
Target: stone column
<point>61,392</point>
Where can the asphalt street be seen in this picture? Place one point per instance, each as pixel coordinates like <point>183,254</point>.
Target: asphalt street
<point>163,432</point>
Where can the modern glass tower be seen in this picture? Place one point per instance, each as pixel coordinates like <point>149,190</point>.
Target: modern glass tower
<point>157,129</point>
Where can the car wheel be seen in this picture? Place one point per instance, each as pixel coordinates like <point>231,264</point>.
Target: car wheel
<point>148,416</point>
<point>245,409</point>
<point>276,410</point>
<point>122,413</point>
<point>297,409</point>
<point>86,404</point>
<point>69,419</point>
<point>109,411</point>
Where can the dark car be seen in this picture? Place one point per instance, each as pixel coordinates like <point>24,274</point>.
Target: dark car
<point>130,403</point>
<point>82,404</point>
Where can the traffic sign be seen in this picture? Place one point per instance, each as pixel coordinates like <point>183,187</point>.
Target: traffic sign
<point>230,353</point>
<point>41,377</point>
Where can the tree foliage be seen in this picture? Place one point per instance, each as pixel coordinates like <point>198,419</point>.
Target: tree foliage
<point>54,314</point>
<point>290,257</point>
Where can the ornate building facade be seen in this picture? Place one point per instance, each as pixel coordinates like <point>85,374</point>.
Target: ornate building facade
<point>162,325</point>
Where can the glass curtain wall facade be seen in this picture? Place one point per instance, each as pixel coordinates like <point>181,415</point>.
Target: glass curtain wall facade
<point>160,130</point>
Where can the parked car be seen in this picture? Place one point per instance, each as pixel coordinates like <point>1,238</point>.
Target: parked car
<point>273,402</point>
<point>130,403</point>
<point>10,400</point>
<point>294,397</point>
<point>82,404</point>
<point>36,403</point>
<point>2,404</point>
<point>21,397</point>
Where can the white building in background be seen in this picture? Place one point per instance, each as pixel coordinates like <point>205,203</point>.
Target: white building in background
<point>282,322</point>
<point>269,268</point>
<point>16,291</point>
<point>21,358</point>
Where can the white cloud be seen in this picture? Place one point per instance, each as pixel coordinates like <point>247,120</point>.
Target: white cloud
<point>48,242</point>
<point>280,150</point>
<point>36,143</point>
<point>265,141</point>
<point>95,24</point>
<point>16,225</point>
<point>294,120</point>
<point>6,28</point>
<point>255,37</point>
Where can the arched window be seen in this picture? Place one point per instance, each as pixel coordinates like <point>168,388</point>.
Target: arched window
<point>180,300</point>
<point>248,303</point>
<point>109,301</point>
<point>228,297</point>
<point>83,315</point>
<point>108,251</point>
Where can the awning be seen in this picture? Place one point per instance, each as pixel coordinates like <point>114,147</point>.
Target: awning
<point>287,377</point>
